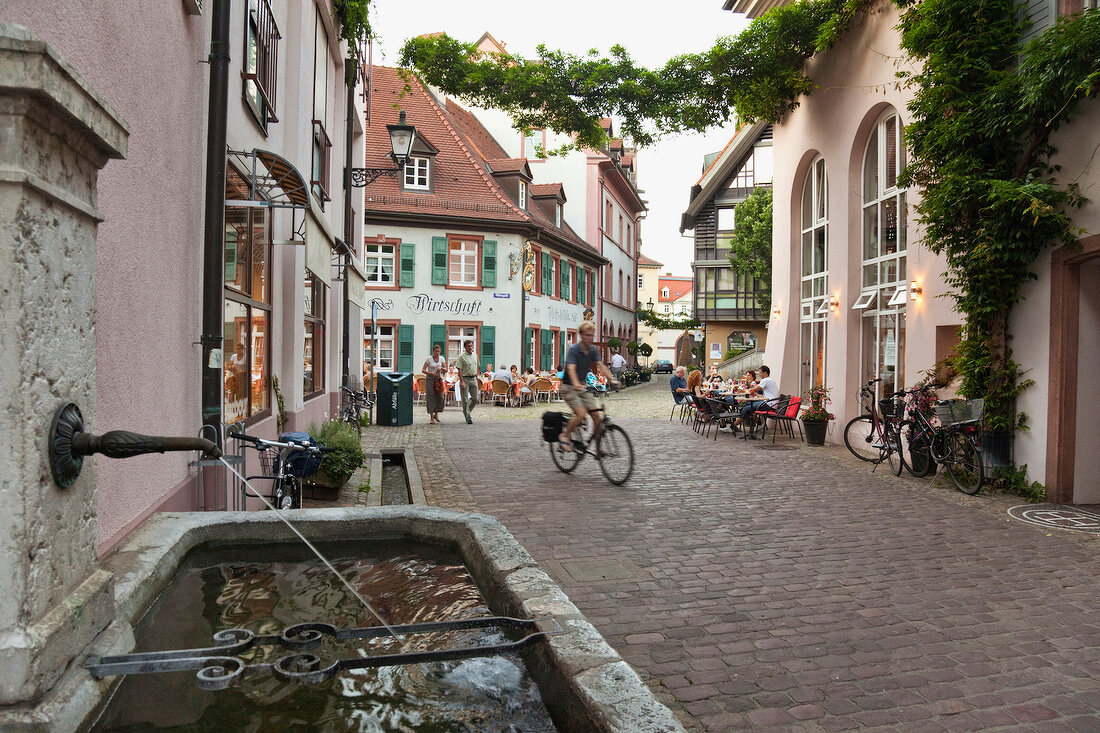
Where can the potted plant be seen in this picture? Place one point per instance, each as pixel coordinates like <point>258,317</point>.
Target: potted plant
<point>632,349</point>
<point>629,378</point>
<point>644,373</point>
<point>816,418</point>
<point>337,466</point>
<point>647,351</point>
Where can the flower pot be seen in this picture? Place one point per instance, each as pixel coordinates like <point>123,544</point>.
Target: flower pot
<point>645,376</point>
<point>815,432</point>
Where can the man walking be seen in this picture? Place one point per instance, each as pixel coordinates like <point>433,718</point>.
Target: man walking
<point>468,367</point>
<point>617,364</point>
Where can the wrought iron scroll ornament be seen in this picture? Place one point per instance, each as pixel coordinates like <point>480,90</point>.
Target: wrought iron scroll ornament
<point>365,176</point>
<point>219,666</point>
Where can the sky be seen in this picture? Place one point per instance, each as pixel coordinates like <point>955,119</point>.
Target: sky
<point>651,33</point>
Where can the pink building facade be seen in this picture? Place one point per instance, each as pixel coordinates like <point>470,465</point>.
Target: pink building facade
<point>856,295</point>
<point>149,66</point>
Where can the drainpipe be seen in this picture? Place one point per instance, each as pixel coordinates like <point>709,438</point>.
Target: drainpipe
<point>213,270</point>
<point>349,225</point>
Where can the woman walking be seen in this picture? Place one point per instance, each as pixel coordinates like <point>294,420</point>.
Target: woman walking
<point>434,388</point>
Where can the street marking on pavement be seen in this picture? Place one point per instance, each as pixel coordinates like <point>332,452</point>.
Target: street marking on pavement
<point>1055,516</point>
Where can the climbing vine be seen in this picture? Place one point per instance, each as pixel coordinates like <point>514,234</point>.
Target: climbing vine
<point>353,19</point>
<point>751,244</point>
<point>659,322</point>
<point>984,109</point>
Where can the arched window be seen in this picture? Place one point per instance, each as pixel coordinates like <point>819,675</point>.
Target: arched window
<point>815,276</point>
<point>620,286</point>
<point>882,277</point>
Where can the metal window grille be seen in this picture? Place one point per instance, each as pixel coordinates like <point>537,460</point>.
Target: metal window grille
<point>267,54</point>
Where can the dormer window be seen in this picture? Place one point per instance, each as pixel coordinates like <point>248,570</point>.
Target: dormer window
<point>557,215</point>
<point>664,292</point>
<point>523,195</point>
<point>416,173</point>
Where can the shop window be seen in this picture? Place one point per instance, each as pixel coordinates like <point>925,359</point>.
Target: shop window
<point>313,367</point>
<point>247,304</point>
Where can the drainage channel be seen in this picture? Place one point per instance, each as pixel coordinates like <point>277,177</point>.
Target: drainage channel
<point>397,477</point>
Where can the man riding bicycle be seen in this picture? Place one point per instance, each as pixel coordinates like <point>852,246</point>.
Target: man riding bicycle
<point>579,359</point>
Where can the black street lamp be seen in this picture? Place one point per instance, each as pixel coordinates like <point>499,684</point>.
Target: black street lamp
<point>401,142</point>
<point>649,305</point>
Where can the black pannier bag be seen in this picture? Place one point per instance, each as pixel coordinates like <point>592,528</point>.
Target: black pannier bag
<point>552,425</point>
<point>301,463</point>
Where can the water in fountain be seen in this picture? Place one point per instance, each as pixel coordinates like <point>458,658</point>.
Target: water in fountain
<point>249,587</point>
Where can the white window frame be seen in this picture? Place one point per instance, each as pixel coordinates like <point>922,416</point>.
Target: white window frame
<point>668,308</point>
<point>523,195</point>
<point>467,252</point>
<point>417,173</point>
<point>386,343</point>
<point>865,300</point>
<point>455,336</point>
<point>376,273</point>
<point>557,216</point>
<point>664,292</point>
<point>814,304</point>
<point>641,281</point>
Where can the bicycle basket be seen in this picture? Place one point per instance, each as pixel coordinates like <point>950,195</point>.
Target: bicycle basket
<point>890,407</point>
<point>269,461</point>
<point>955,412</point>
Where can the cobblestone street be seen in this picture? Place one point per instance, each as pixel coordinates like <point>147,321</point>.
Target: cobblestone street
<point>789,587</point>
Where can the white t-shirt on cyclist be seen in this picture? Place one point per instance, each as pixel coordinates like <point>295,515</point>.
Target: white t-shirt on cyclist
<point>770,388</point>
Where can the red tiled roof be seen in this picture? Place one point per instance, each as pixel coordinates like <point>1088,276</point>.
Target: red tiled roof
<point>548,189</point>
<point>509,165</point>
<point>482,143</point>
<point>605,123</point>
<point>648,261</point>
<point>677,288</point>
<point>462,186</point>
<point>616,144</point>
<point>627,160</point>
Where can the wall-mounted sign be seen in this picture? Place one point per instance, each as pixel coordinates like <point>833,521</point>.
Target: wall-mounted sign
<point>589,314</point>
<point>424,303</point>
<point>716,351</point>
<point>502,295</point>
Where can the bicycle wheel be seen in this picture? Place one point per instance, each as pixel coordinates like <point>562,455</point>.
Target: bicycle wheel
<point>350,415</point>
<point>894,452</point>
<point>964,463</point>
<point>915,448</point>
<point>859,436</point>
<point>287,494</point>
<point>615,454</point>
<point>566,460</point>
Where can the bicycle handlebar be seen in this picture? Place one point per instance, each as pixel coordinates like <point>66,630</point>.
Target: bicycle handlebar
<point>261,443</point>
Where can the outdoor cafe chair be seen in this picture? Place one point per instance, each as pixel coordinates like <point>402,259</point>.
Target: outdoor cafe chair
<point>502,392</point>
<point>721,413</point>
<point>418,388</point>
<point>542,387</point>
<point>768,409</point>
<point>785,416</point>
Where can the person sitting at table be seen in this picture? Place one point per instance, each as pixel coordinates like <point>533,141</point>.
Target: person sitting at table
<point>715,378</point>
<point>750,378</point>
<point>502,373</point>
<point>525,381</point>
<point>488,371</point>
<point>695,383</point>
<point>452,375</point>
<point>766,391</point>
<point>678,385</point>
<point>559,372</point>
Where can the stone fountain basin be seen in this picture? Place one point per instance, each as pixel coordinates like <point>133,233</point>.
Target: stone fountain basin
<point>583,681</point>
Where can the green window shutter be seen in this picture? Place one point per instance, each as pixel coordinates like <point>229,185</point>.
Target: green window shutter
<point>528,338</point>
<point>408,265</point>
<point>561,350</point>
<point>565,269</point>
<point>404,348</point>
<point>591,288</point>
<point>489,264</point>
<point>547,274</point>
<point>439,336</point>
<point>488,346</point>
<point>439,260</point>
<point>580,286</point>
<point>547,349</point>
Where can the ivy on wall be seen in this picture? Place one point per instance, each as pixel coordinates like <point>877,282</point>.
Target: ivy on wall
<point>751,244</point>
<point>984,109</point>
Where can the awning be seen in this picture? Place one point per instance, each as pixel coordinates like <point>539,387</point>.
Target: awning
<point>357,286</point>
<point>273,179</point>
<point>318,250</point>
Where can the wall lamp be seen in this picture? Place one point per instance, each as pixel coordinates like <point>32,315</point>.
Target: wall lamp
<point>401,142</point>
<point>915,291</point>
<point>775,313</point>
<point>834,303</point>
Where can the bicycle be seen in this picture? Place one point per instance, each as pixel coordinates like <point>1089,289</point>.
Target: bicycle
<point>612,448</point>
<point>285,463</point>
<point>353,405</point>
<point>951,445</point>
<point>874,435</point>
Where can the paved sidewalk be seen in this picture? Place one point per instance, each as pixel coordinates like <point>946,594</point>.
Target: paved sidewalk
<point>793,589</point>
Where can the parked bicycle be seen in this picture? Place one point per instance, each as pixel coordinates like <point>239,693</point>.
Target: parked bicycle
<point>952,444</point>
<point>611,448</point>
<point>874,436</point>
<point>285,463</point>
<point>354,404</point>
